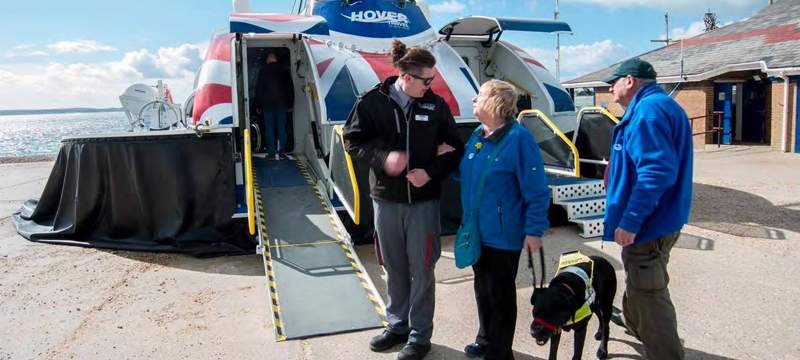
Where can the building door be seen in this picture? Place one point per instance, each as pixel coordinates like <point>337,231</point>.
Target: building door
<point>753,111</point>
<point>737,112</point>
<point>723,98</point>
<point>797,114</point>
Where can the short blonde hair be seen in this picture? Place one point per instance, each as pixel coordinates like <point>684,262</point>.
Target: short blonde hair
<point>501,98</point>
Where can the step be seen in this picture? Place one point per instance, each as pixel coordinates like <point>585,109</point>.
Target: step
<point>581,208</point>
<point>592,226</point>
<point>579,200</point>
<point>576,189</point>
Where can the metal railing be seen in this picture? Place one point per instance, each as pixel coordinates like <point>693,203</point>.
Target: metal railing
<point>355,210</point>
<point>248,162</point>
<point>557,132</point>
<point>716,125</point>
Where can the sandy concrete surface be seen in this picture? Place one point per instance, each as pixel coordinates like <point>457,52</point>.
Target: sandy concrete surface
<point>732,283</point>
<point>26,159</point>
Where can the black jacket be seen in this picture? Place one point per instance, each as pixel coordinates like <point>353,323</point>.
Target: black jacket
<point>376,126</point>
<point>274,89</point>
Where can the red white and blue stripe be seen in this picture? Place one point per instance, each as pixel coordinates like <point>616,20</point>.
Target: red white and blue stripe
<point>212,99</point>
<point>278,23</point>
<point>344,74</point>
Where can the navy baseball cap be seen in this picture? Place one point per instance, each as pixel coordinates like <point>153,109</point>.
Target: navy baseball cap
<point>634,67</point>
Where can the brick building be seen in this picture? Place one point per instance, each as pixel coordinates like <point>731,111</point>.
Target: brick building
<point>746,72</point>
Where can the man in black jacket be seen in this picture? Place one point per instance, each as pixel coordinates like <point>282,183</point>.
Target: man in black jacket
<point>275,97</point>
<point>396,128</point>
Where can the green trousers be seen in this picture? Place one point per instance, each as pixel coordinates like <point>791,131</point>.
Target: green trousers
<point>646,304</point>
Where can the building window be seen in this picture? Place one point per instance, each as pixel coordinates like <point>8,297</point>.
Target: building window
<point>669,88</point>
<point>584,97</point>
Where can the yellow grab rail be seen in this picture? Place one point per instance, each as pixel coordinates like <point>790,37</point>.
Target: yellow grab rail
<point>351,170</point>
<point>519,87</point>
<point>248,162</point>
<point>556,131</point>
<point>600,109</point>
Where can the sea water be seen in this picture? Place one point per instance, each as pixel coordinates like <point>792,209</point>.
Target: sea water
<point>27,135</point>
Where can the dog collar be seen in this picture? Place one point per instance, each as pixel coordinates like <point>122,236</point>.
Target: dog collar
<point>545,324</point>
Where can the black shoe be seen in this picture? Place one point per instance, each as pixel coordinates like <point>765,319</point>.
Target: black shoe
<point>386,341</point>
<point>475,350</point>
<point>617,317</point>
<point>413,351</point>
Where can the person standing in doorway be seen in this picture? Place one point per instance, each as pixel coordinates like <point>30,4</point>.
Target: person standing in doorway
<point>275,97</point>
<point>649,197</point>
<point>396,128</point>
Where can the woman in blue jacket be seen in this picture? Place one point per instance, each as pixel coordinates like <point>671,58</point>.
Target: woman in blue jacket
<point>512,214</point>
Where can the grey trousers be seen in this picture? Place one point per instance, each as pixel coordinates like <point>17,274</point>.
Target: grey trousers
<point>407,244</point>
<point>646,303</point>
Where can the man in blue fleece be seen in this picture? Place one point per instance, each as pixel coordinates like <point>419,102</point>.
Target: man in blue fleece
<point>648,202</point>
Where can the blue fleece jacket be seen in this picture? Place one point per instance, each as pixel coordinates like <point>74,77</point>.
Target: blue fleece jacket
<point>515,197</point>
<point>650,176</point>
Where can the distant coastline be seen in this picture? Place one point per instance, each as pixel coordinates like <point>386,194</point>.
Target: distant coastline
<point>58,111</point>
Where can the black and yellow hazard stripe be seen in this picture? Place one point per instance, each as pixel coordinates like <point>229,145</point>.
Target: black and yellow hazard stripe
<point>304,171</point>
<point>372,294</point>
<point>273,290</point>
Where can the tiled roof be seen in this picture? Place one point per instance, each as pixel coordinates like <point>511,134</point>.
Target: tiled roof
<point>771,36</point>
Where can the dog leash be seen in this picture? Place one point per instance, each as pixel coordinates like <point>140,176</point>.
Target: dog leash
<point>530,266</point>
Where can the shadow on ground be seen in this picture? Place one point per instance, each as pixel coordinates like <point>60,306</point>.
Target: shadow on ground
<point>690,353</point>
<point>445,352</point>
<point>448,274</point>
<point>243,265</point>
<point>740,213</point>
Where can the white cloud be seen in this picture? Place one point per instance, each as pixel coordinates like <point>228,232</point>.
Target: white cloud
<point>203,48</point>
<point>676,5</point>
<point>694,29</point>
<point>168,62</point>
<point>29,53</point>
<point>25,51</point>
<point>80,47</point>
<point>57,85</point>
<point>578,60</point>
<point>448,7</point>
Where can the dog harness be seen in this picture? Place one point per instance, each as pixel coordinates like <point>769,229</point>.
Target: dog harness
<point>567,263</point>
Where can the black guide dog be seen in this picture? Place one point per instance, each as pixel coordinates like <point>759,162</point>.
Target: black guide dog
<point>559,306</point>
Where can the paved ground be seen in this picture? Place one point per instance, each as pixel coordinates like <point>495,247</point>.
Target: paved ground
<point>732,276</point>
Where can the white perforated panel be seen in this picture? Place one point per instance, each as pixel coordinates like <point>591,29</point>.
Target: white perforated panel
<point>578,191</point>
<point>582,209</point>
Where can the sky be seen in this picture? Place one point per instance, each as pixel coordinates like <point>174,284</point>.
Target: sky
<point>85,53</point>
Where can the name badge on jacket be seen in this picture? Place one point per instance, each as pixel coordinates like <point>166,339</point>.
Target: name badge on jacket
<point>421,117</point>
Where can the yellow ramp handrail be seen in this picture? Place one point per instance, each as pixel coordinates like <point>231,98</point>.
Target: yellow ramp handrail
<point>248,162</point>
<point>600,110</point>
<point>556,131</point>
<point>351,170</point>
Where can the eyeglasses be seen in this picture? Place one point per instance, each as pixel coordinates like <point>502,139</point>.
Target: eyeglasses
<point>426,81</point>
